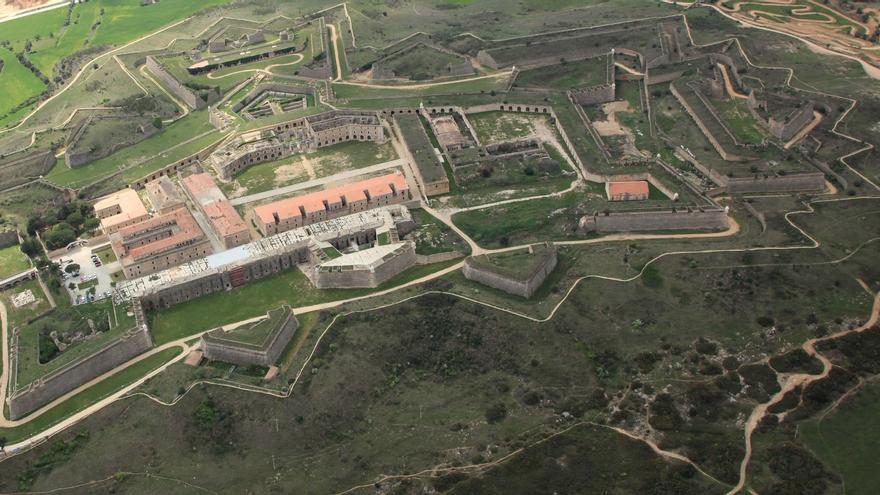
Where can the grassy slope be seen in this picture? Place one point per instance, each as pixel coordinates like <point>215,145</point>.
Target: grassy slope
<point>12,261</point>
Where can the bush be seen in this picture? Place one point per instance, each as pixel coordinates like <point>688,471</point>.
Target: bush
<point>496,413</point>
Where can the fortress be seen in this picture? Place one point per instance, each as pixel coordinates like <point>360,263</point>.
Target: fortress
<point>256,344</point>
<point>238,266</point>
<point>296,136</point>
<point>520,273</point>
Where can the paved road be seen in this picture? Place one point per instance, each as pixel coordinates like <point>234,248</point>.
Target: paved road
<point>316,182</point>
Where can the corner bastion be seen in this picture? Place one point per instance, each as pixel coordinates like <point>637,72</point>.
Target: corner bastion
<point>257,344</point>
<point>519,274</point>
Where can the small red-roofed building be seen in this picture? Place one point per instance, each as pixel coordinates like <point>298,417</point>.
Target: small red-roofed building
<point>630,190</point>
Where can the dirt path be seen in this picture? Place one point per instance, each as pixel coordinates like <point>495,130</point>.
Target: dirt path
<point>265,70</point>
<point>334,40</point>
<point>4,373</point>
<point>792,381</point>
<point>405,87</point>
<point>729,85</point>
<point>307,166</point>
<point>817,119</point>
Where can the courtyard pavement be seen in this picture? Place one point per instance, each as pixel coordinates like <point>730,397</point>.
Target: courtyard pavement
<point>81,255</point>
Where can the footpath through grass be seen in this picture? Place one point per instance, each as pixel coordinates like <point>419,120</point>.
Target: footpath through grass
<point>88,397</point>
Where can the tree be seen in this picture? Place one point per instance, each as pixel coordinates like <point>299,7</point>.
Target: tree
<point>157,123</point>
<point>72,268</point>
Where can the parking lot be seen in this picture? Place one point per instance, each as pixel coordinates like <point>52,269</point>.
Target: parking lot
<point>90,275</point>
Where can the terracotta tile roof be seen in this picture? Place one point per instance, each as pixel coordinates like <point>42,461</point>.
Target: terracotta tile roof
<point>224,218</point>
<point>629,188</point>
<point>314,202</point>
<point>181,222</point>
<point>197,183</point>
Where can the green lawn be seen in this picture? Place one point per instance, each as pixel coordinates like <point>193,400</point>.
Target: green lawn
<point>106,254</point>
<point>17,83</point>
<point>74,37</point>
<point>12,261</point>
<point>90,396</point>
<point>20,316</point>
<point>290,287</point>
<point>589,72</point>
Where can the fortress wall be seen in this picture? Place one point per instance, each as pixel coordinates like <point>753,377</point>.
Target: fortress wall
<point>8,238</point>
<point>715,144</point>
<point>636,221</point>
<point>594,95</point>
<point>523,288</point>
<point>228,352</point>
<point>175,167</point>
<point>786,130</point>
<point>365,278</point>
<point>270,87</point>
<point>53,386</point>
<point>173,84</point>
<point>227,280</point>
<point>814,181</point>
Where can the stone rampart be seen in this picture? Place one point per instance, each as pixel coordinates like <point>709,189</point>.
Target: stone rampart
<point>175,167</point>
<point>479,269</point>
<point>271,88</point>
<point>594,95</point>
<point>640,221</point>
<point>8,238</point>
<point>216,348</point>
<point>813,181</point>
<point>56,384</point>
<point>173,84</point>
<point>21,167</point>
<point>366,277</point>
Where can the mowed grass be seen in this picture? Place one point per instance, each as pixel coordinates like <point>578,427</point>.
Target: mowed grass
<point>17,83</point>
<point>289,287</point>
<point>125,20</point>
<point>89,396</point>
<point>847,441</point>
<point>12,261</point>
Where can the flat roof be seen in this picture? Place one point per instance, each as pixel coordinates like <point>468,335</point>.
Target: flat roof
<point>129,203</point>
<point>202,187</point>
<point>366,259</point>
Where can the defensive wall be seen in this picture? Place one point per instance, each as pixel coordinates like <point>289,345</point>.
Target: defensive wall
<point>218,345</point>
<point>639,221</point>
<point>380,71</point>
<point>175,167</point>
<point>52,386</point>
<point>173,85</point>
<point>74,159</point>
<point>480,269</point>
<point>260,89</point>
<point>8,238</point>
<point>20,167</point>
<point>337,274</point>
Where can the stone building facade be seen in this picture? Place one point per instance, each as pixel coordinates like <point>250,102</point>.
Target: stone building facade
<point>641,221</point>
<point>286,214</point>
<point>296,136</point>
<point>160,242</point>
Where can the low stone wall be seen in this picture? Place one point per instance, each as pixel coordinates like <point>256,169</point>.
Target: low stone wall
<point>641,221</point>
<point>8,238</point>
<point>427,259</point>
<point>473,270</point>
<point>58,383</point>
<point>783,183</point>
<point>594,95</point>
<point>219,349</point>
<point>176,166</point>
<point>173,84</point>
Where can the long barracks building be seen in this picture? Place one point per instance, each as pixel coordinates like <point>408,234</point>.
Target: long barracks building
<point>296,136</point>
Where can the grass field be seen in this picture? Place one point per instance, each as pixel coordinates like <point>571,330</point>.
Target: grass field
<point>844,442</point>
<point>12,261</point>
<point>289,287</point>
<point>20,316</point>
<point>17,83</point>
<point>589,72</point>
